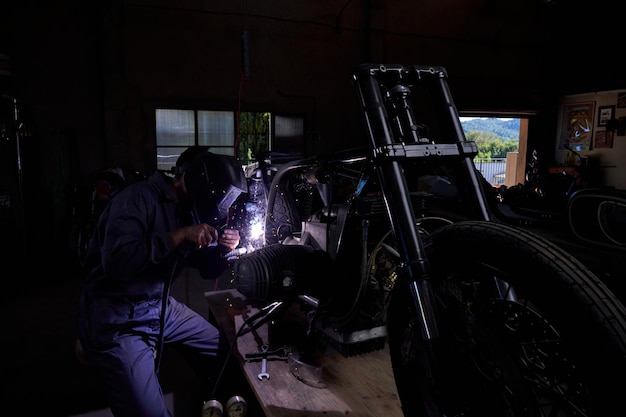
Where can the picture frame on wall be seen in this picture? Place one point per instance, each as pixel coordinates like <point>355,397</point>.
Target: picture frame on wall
<point>621,100</point>
<point>576,127</point>
<point>603,139</point>
<point>605,113</point>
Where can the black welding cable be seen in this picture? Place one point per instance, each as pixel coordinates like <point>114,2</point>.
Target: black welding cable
<point>251,323</point>
<point>166,293</point>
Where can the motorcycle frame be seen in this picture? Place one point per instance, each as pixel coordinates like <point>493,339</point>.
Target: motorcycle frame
<point>370,220</point>
<point>384,93</point>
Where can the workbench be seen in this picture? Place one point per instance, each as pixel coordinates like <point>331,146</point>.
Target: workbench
<point>359,386</point>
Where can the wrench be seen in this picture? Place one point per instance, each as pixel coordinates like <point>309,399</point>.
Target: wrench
<point>264,373</point>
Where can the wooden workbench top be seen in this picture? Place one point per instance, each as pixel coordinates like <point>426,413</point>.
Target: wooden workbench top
<point>359,386</point>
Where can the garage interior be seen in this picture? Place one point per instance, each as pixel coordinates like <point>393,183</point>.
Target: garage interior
<point>80,81</point>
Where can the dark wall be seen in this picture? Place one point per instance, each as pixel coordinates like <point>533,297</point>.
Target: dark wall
<point>92,72</point>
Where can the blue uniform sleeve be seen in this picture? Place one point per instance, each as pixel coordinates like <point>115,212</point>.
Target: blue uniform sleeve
<point>135,236</point>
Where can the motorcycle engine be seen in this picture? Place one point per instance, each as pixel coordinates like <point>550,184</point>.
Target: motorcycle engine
<point>282,272</point>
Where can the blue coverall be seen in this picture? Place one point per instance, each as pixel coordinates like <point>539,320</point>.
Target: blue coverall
<point>130,264</point>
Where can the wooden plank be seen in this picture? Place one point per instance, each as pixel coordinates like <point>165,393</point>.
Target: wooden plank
<point>360,386</point>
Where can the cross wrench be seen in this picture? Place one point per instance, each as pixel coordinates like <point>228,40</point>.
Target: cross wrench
<point>263,373</point>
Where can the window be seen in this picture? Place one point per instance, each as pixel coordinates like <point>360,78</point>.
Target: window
<point>501,141</point>
<point>177,129</point>
<point>289,133</point>
<point>217,130</point>
<point>254,136</point>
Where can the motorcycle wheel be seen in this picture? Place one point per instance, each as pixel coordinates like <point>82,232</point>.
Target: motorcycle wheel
<point>552,344</point>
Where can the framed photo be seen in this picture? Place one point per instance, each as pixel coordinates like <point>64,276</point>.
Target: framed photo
<point>605,113</point>
<point>603,139</point>
<point>576,125</point>
<point>621,100</point>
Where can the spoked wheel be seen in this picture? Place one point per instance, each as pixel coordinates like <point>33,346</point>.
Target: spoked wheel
<point>525,330</point>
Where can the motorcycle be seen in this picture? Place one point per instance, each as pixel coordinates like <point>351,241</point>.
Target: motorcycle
<point>543,197</point>
<point>396,243</point>
<point>573,201</point>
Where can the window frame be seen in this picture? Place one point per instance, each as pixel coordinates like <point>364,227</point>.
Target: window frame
<point>515,169</point>
<point>166,154</point>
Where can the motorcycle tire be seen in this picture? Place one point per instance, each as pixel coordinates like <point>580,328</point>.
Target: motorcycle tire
<point>552,344</point>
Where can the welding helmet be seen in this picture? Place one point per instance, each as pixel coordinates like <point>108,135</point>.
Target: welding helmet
<point>213,183</point>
